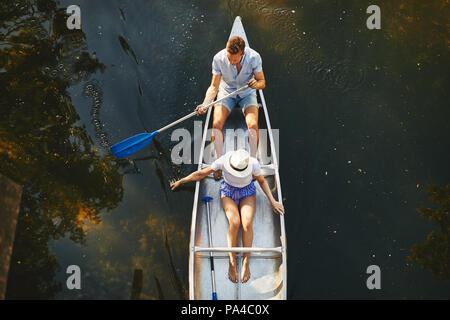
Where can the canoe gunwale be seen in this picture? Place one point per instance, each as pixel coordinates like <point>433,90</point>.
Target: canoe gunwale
<point>194,209</point>
<point>280,196</point>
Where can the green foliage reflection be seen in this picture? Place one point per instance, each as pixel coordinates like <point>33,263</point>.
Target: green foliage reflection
<point>66,182</point>
<point>434,254</point>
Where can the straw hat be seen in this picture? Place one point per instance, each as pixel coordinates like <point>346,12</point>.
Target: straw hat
<point>237,163</point>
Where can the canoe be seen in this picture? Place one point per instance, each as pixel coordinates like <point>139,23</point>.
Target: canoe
<point>268,254</point>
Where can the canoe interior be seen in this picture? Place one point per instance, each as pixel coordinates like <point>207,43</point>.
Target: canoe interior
<point>266,272</point>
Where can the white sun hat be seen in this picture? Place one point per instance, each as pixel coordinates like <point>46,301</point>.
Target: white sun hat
<point>237,163</point>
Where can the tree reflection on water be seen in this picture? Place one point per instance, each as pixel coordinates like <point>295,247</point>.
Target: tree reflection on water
<point>67,183</point>
<point>434,254</point>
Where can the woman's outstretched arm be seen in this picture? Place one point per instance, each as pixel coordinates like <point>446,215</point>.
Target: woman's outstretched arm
<point>276,206</point>
<point>194,176</point>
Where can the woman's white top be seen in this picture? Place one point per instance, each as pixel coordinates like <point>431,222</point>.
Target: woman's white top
<point>237,181</point>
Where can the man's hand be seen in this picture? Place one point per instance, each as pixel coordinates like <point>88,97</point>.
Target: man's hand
<point>200,110</point>
<point>277,207</point>
<point>253,83</point>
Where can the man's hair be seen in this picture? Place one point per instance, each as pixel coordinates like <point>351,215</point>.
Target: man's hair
<point>235,45</point>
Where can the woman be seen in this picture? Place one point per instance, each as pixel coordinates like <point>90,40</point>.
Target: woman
<point>238,197</point>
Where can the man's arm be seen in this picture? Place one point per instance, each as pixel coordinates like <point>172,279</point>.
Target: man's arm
<point>259,82</point>
<point>211,93</point>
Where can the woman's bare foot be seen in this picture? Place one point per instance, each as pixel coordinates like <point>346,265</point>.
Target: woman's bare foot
<point>232,272</point>
<point>245,269</point>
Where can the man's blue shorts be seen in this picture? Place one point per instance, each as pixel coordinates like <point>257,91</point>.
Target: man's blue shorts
<point>249,100</point>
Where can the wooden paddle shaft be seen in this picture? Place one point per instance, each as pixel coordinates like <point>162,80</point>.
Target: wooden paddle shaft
<point>204,107</point>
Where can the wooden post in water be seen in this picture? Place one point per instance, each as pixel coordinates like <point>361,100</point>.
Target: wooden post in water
<point>137,284</point>
<point>10,198</point>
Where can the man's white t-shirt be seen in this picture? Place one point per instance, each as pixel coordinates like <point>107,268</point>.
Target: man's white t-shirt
<point>236,181</point>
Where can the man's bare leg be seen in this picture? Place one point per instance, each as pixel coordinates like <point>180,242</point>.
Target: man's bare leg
<point>247,208</point>
<point>251,118</point>
<point>232,213</point>
<point>219,117</point>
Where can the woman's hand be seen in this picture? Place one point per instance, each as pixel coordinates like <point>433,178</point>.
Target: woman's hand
<point>175,185</point>
<point>194,176</point>
<point>277,207</point>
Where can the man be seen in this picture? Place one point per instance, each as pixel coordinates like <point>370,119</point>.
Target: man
<point>238,197</point>
<point>232,68</point>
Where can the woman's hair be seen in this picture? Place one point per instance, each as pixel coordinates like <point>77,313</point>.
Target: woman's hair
<point>235,45</point>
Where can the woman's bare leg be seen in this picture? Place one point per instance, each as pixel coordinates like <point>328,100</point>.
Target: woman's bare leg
<point>247,208</point>
<point>232,213</point>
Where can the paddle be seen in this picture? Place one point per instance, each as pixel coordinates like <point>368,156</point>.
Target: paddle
<point>211,259</point>
<point>129,146</point>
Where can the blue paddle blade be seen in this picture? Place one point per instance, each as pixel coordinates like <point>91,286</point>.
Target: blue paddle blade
<point>214,296</point>
<point>207,199</point>
<point>129,146</point>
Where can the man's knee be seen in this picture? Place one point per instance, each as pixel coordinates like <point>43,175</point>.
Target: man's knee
<point>252,124</point>
<point>218,124</point>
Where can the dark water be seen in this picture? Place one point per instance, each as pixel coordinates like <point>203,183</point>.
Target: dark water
<point>363,119</point>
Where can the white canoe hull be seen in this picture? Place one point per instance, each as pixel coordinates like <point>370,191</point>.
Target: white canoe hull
<point>268,265</point>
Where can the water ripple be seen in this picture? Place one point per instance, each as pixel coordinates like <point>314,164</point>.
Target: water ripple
<point>301,50</point>
<point>93,90</point>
